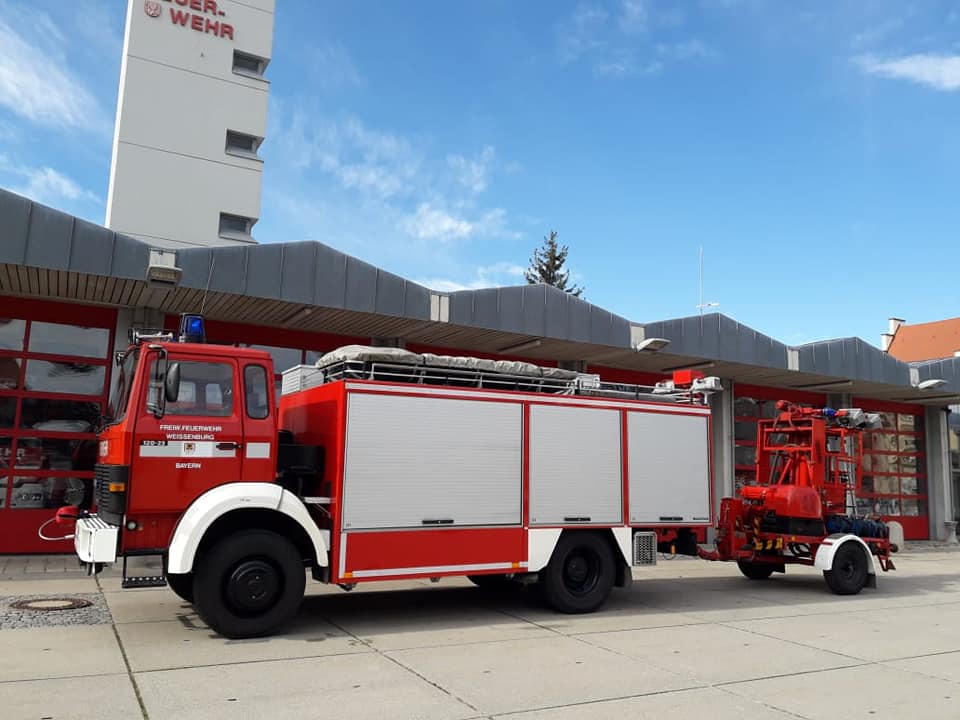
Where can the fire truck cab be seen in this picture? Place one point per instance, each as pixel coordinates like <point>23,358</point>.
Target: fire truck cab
<point>382,464</point>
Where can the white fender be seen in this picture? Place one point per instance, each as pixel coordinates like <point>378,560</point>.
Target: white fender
<point>213,504</point>
<point>542,541</point>
<point>832,543</point>
<point>624,538</point>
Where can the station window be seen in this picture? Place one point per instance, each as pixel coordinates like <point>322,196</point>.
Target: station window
<point>894,467</point>
<point>54,376</point>
<point>236,227</point>
<point>242,144</point>
<point>250,65</point>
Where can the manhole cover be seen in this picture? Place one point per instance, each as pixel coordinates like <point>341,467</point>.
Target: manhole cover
<point>51,604</point>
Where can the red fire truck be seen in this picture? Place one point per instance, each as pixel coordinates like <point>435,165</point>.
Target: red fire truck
<point>381,464</point>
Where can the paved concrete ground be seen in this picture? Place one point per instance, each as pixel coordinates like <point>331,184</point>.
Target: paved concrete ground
<point>690,639</point>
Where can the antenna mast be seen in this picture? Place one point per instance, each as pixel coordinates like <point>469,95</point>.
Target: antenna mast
<point>701,305</point>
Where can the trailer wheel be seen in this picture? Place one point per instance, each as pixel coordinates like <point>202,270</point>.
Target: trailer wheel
<point>849,572</point>
<point>755,570</point>
<point>182,586</point>
<point>493,582</point>
<point>249,583</point>
<point>580,574</point>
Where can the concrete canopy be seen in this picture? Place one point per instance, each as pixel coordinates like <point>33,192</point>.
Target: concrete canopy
<point>310,286</point>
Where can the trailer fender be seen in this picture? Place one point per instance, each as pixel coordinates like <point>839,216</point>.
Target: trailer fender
<point>215,503</point>
<point>832,543</point>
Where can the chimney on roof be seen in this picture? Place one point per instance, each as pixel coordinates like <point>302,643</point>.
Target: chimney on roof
<point>887,338</point>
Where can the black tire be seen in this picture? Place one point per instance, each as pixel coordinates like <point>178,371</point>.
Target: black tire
<point>182,586</point>
<point>249,583</point>
<point>755,570</point>
<point>580,574</point>
<point>850,570</point>
<point>493,582</point>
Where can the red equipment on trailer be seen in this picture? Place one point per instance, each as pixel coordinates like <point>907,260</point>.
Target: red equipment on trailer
<point>803,509</point>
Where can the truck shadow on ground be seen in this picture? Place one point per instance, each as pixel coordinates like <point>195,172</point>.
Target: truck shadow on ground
<point>678,600</point>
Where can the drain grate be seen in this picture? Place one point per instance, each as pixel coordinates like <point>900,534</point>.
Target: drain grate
<point>34,611</point>
<point>51,604</point>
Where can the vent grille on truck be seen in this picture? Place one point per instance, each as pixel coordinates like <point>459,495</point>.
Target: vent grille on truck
<point>645,548</point>
<point>110,505</point>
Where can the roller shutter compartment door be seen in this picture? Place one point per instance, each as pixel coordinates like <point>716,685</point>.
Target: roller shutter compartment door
<point>575,466</point>
<point>418,462</point>
<point>669,468</point>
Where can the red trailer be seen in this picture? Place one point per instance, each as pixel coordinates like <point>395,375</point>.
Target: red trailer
<point>803,508</point>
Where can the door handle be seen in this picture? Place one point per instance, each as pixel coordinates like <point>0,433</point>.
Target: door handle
<point>229,445</point>
<point>438,521</point>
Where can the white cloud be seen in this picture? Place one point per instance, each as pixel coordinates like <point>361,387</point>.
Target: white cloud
<point>686,50</point>
<point>582,33</point>
<point>633,15</point>
<point>332,66</point>
<point>44,184</point>
<point>373,162</point>
<point>940,72</point>
<point>622,68</point>
<point>617,68</point>
<point>434,223</point>
<point>430,223</point>
<point>493,224</point>
<point>496,275</point>
<point>34,83</point>
<point>472,172</point>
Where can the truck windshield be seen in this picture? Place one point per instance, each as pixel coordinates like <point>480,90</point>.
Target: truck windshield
<point>120,397</point>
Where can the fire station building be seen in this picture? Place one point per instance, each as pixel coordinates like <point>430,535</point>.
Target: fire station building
<point>70,291</point>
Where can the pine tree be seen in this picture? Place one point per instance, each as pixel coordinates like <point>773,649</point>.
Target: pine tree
<point>546,266</point>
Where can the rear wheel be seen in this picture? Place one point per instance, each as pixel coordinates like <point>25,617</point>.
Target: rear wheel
<point>580,574</point>
<point>755,570</point>
<point>850,570</point>
<point>182,586</point>
<point>249,583</point>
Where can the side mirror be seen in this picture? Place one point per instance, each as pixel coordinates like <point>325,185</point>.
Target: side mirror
<point>171,385</point>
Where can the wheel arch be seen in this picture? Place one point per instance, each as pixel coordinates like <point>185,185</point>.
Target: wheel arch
<point>244,506</point>
<point>543,541</point>
<point>832,543</point>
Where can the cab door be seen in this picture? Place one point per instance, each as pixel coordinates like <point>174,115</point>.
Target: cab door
<point>260,427</point>
<point>196,445</point>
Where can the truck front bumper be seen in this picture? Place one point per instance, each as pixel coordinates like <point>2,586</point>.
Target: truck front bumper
<point>96,541</point>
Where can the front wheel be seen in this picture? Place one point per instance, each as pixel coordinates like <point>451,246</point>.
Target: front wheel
<point>580,574</point>
<point>849,572</point>
<point>182,586</point>
<point>249,583</point>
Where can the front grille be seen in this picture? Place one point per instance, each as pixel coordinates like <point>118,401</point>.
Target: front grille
<point>110,505</point>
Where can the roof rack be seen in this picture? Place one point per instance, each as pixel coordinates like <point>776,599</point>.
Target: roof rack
<point>357,362</point>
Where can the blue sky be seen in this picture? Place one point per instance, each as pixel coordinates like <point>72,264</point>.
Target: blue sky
<point>810,147</point>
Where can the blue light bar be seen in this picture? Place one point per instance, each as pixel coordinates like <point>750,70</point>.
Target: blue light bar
<point>191,329</point>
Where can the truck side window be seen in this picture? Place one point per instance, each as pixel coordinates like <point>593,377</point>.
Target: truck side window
<point>206,389</point>
<point>255,389</point>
